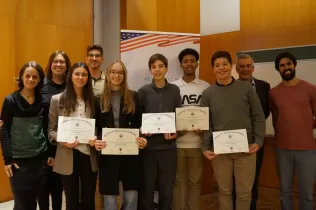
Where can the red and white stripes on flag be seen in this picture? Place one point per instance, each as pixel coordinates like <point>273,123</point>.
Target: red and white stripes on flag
<point>161,40</point>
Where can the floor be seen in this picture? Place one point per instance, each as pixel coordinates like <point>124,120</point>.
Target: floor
<point>268,200</point>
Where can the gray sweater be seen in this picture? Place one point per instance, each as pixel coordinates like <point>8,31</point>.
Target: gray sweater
<point>235,106</point>
<point>158,100</point>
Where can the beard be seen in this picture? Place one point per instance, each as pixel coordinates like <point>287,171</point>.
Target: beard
<point>288,77</point>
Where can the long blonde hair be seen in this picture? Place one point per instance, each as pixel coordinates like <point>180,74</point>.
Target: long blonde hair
<point>105,98</point>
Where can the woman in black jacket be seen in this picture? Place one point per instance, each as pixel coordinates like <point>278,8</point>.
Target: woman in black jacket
<point>25,146</point>
<point>119,109</point>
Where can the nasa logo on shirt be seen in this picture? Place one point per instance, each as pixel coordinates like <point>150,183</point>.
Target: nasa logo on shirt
<point>191,99</point>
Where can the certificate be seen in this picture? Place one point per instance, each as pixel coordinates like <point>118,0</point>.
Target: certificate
<point>159,123</point>
<point>75,128</point>
<point>192,118</point>
<point>120,141</point>
<point>230,141</point>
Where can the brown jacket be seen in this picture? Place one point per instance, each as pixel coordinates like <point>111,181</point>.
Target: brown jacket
<point>64,155</point>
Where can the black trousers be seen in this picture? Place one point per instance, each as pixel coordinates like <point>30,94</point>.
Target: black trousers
<point>159,167</point>
<point>84,176</point>
<point>255,193</point>
<point>25,200</point>
<point>53,187</point>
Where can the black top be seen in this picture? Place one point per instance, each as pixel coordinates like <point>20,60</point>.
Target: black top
<point>24,130</point>
<point>116,168</point>
<point>157,100</point>
<point>51,88</point>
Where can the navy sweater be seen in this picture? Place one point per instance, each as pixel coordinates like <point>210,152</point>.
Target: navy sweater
<point>158,100</point>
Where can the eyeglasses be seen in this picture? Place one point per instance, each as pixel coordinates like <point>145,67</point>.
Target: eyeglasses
<point>59,62</point>
<point>121,73</point>
<point>91,55</point>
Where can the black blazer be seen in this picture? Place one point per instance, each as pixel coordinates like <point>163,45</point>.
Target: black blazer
<point>116,168</point>
<point>262,89</point>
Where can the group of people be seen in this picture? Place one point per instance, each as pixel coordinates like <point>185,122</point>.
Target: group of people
<point>40,166</point>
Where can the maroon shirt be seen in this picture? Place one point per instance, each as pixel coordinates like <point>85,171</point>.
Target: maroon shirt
<point>292,114</point>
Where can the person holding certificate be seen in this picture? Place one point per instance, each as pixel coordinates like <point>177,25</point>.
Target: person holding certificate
<point>189,152</point>
<point>119,109</point>
<point>54,83</point>
<point>25,146</point>
<point>237,130</point>
<point>76,162</point>
<point>159,158</point>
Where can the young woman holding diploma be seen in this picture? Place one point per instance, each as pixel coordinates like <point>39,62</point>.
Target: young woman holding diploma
<point>119,109</point>
<point>75,160</point>
<point>24,142</point>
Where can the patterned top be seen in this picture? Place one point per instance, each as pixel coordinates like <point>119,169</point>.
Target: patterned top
<point>24,132</point>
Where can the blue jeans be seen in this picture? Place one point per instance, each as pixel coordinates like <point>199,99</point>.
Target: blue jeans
<point>304,164</point>
<point>129,201</point>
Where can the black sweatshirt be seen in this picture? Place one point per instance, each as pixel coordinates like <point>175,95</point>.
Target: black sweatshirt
<point>157,100</point>
<point>49,89</point>
<point>24,130</point>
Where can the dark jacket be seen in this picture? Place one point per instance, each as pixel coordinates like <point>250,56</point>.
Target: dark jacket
<point>116,168</point>
<point>49,89</point>
<point>262,89</point>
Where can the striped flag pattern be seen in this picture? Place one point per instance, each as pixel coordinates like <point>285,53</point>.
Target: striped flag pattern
<point>131,41</point>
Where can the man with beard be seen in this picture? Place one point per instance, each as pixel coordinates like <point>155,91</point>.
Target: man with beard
<point>94,61</point>
<point>189,155</point>
<point>293,107</point>
<point>245,68</point>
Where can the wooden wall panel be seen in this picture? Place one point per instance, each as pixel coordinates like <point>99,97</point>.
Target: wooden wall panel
<point>141,15</point>
<point>7,64</point>
<point>161,15</point>
<point>264,24</point>
<point>31,30</point>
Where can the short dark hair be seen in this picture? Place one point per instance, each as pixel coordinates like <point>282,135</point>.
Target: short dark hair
<point>284,55</point>
<point>95,47</point>
<point>188,51</point>
<point>48,68</point>
<point>221,54</point>
<point>157,57</point>
<point>40,72</point>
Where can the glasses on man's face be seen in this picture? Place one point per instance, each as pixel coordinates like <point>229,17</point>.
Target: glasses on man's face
<point>114,72</point>
<point>91,55</point>
<point>59,62</point>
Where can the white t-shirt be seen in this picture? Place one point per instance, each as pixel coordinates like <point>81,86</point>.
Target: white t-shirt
<point>191,94</point>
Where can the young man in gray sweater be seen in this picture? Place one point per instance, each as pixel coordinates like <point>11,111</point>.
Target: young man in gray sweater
<point>160,155</point>
<point>233,105</point>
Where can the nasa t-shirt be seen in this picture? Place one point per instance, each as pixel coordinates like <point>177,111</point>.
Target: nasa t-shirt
<point>191,94</point>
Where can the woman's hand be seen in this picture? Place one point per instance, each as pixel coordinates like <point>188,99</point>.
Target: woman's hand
<point>146,134</point>
<point>71,144</point>
<point>142,142</point>
<point>8,169</point>
<point>50,161</point>
<point>92,142</point>
<point>100,144</point>
<point>170,136</point>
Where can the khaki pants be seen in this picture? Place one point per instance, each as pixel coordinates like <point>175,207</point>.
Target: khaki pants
<point>243,166</point>
<point>192,160</point>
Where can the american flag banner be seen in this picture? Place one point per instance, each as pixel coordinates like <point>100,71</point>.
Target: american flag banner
<point>138,46</point>
<point>131,41</point>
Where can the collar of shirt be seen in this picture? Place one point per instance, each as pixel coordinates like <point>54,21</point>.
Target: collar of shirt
<point>253,82</point>
<point>102,76</point>
<point>227,84</point>
<point>195,81</point>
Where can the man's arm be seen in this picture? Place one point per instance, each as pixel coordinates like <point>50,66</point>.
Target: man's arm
<point>257,117</point>
<point>313,103</point>
<point>207,135</point>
